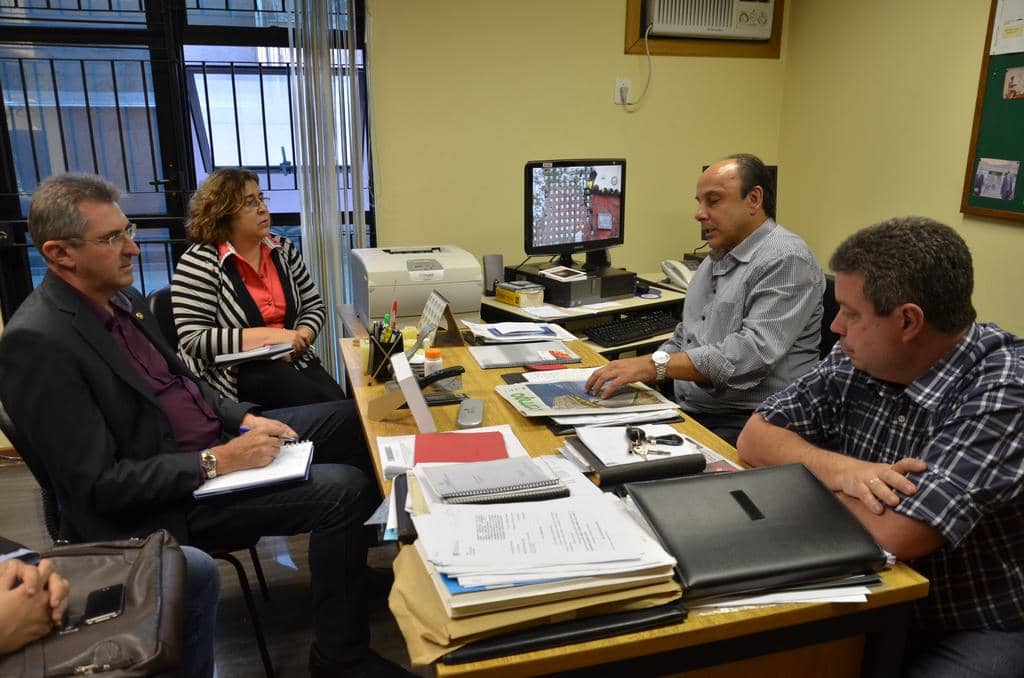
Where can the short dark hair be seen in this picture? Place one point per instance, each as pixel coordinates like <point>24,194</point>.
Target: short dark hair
<point>54,214</point>
<point>913,260</point>
<point>753,173</point>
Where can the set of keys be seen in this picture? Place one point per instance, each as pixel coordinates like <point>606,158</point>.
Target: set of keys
<point>640,442</point>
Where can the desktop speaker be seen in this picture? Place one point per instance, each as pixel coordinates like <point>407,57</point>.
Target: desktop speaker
<point>494,272</point>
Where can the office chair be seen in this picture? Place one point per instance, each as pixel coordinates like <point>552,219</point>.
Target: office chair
<point>160,304</point>
<point>829,310</point>
<point>51,517</point>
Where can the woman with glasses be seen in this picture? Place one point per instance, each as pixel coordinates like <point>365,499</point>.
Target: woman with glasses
<point>238,288</point>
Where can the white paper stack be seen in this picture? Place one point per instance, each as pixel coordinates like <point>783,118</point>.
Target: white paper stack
<point>485,558</point>
<point>518,332</point>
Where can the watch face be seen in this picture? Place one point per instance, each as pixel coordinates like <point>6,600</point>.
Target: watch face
<point>660,357</point>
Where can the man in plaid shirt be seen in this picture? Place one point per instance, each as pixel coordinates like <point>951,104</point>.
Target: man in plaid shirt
<point>916,420</point>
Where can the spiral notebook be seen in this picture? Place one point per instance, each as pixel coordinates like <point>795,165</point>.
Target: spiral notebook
<point>517,355</point>
<point>290,464</point>
<point>486,482</point>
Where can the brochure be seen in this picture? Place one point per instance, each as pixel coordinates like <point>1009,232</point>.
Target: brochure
<point>570,397</point>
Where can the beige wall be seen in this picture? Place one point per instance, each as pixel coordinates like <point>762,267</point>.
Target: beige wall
<point>876,122</point>
<point>464,92</point>
<point>868,113</point>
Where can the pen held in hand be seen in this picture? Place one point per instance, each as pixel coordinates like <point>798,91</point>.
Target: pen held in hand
<point>283,439</point>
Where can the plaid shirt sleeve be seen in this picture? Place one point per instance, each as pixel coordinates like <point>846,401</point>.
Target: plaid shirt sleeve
<point>809,406</point>
<point>975,457</point>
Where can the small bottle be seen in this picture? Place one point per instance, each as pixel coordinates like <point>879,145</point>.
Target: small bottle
<point>432,361</point>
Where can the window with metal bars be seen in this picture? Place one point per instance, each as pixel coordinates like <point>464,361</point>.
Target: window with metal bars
<point>129,90</point>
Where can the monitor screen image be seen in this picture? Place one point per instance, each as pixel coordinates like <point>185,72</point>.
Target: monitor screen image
<point>574,206</point>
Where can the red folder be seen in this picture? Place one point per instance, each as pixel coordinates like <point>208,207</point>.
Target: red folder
<point>459,447</point>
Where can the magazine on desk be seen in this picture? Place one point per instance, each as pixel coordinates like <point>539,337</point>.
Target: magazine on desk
<point>570,397</point>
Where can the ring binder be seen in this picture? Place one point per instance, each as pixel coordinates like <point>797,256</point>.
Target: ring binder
<point>483,482</point>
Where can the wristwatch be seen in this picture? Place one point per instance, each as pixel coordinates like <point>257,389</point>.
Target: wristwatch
<point>209,463</point>
<point>660,359</point>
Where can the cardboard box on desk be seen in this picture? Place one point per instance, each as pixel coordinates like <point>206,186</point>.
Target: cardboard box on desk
<point>430,633</point>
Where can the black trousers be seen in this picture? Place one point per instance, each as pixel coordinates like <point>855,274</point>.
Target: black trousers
<point>277,384</point>
<point>331,506</point>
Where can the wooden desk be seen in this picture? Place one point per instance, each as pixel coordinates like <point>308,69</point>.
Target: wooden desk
<point>788,640</point>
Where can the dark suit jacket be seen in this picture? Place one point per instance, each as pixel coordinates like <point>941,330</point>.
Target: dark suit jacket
<point>91,424</point>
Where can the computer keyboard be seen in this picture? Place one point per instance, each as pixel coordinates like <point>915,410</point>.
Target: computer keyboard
<point>632,328</point>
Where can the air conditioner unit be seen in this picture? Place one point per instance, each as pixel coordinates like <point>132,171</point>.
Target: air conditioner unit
<point>721,19</point>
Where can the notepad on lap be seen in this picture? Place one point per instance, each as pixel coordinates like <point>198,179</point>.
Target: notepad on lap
<point>517,355</point>
<point>291,463</point>
<point>512,479</point>
<point>271,352</point>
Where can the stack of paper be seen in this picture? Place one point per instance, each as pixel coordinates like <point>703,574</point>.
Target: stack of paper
<point>517,332</point>
<point>517,355</point>
<point>503,556</point>
<point>594,414</point>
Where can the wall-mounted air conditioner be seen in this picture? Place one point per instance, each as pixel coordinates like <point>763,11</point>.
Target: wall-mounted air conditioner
<point>723,19</point>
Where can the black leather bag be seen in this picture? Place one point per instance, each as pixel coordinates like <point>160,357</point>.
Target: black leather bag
<point>144,640</point>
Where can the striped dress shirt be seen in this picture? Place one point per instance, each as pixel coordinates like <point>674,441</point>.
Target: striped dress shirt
<point>965,418</point>
<point>751,321</point>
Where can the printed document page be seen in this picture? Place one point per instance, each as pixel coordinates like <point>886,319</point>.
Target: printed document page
<point>564,531</point>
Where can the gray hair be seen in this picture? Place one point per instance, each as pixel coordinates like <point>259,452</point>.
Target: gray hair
<point>913,260</point>
<point>54,213</point>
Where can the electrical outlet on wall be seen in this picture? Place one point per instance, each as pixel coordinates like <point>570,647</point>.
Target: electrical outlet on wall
<point>622,91</point>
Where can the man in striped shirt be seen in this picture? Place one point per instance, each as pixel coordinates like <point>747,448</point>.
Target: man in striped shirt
<point>916,420</point>
<point>752,319</point>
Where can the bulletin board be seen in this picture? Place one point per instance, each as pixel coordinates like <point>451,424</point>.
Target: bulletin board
<point>993,185</point>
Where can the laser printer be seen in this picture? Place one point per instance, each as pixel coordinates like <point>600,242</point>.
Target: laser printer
<point>408,274</point>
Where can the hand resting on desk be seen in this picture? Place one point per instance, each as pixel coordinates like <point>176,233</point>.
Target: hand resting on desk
<point>607,380</point>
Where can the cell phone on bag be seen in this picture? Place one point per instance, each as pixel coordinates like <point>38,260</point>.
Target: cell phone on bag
<point>103,604</point>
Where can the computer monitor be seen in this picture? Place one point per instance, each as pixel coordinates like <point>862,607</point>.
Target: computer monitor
<point>574,206</point>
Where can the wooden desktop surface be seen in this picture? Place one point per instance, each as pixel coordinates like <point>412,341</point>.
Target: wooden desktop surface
<point>900,584</point>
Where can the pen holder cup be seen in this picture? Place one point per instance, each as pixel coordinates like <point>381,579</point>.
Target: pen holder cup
<point>380,357</point>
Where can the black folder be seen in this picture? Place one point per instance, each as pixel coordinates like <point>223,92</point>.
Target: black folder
<point>570,631</point>
<point>406,528</point>
<point>755,531</point>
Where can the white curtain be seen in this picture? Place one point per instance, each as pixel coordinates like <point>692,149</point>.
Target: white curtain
<point>329,134</point>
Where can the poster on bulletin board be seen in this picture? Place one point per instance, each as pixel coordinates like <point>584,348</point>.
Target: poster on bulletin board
<point>992,183</point>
